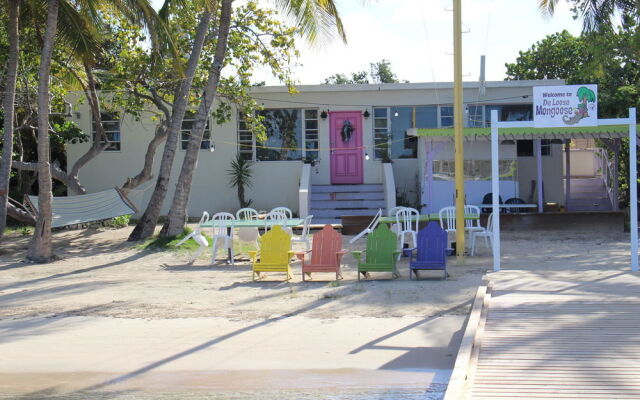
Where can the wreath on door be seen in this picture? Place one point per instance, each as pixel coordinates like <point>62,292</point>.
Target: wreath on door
<point>347,131</point>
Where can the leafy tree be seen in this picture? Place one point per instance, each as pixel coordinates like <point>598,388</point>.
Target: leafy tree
<point>607,57</point>
<point>379,72</point>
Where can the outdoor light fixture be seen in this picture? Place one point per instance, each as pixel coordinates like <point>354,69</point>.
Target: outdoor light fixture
<point>323,114</point>
<point>212,146</point>
<point>366,156</point>
<point>395,114</point>
<point>366,114</point>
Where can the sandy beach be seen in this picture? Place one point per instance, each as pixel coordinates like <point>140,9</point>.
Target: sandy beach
<point>111,321</point>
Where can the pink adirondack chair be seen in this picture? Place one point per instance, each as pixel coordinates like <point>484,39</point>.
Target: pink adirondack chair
<point>326,253</point>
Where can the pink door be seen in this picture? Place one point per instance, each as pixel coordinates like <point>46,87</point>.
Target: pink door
<point>346,147</point>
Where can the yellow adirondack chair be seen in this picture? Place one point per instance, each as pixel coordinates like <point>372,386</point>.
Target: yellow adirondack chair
<point>275,253</point>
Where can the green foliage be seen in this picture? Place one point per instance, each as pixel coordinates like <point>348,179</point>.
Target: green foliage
<point>380,72</point>
<point>608,57</point>
<point>118,222</point>
<point>240,173</point>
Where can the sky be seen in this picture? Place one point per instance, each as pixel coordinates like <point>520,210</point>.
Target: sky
<point>416,37</point>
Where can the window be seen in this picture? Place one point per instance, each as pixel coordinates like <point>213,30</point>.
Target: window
<point>111,126</point>
<point>475,170</point>
<point>311,134</point>
<point>291,135</point>
<point>475,117</point>
<point>390,127</point>
<point>401,145</point>
<point>188,123</point>
<point>380,132</point>
<point>245,141</point>
<point>525,148</point>
<point>517,112</point>
<point>446,116</point>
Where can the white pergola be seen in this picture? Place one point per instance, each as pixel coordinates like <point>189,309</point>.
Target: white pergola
<point>495,157</point>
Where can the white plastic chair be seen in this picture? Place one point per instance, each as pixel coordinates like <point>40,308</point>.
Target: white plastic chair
<point>393,211</point>
<point>276,218</point>
<point>222,232</point>
<point>447,216</point>
<point>487,234</point>
<point>372,225</point>
<point>407,220</point>
<point>248,234</point>
<point>472,225</point>
<point>198,237</point>
<point>284,210</point>
<point>304,237</point>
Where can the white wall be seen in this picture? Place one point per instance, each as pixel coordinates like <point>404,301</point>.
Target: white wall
<point>275,183</point>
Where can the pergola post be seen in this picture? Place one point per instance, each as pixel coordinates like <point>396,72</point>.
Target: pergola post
<point>616,177</point>
<point>495,190</point>
<point>633,189</point>
<point>538,149</point>
<point>567,178</point>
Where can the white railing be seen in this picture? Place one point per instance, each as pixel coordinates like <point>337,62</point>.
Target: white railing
<point>304,191</point>
<point>605,168</point>
<point>389,185</point>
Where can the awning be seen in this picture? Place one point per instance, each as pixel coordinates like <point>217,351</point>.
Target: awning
<point>473,134</point>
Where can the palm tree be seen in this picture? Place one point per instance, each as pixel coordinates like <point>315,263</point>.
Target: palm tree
<point>147,223</point>
<point>77,28</point>
<point>8,106</point>
<point>40,249</point>
<point>595,13</point>
<point>315,18</point>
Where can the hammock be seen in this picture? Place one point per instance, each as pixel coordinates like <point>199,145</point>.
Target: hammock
<point>71,210</point>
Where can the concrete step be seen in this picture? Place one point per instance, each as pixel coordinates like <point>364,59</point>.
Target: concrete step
<point>347,196</point>
<point>346,204</point>
<point>346,188</point>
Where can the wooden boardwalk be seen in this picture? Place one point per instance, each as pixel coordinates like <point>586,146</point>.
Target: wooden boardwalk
<point>556,336</point>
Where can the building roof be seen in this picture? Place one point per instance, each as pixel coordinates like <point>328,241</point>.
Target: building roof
<point>573,132</point>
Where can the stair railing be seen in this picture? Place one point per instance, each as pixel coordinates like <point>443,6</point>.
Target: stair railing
<point>605,167</point>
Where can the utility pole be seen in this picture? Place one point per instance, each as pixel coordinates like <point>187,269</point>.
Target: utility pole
<point>458,123</point>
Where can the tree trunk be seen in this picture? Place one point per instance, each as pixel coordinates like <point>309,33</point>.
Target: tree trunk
<point>100,141</point>
<point>40,249</point>
<point>178,212</point>
<point>147,223</point>
<point>9,101</point>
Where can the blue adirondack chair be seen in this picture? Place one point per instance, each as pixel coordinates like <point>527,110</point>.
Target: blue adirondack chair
<point>431,251</point>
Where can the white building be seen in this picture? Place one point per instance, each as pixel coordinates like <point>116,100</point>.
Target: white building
<point>346,130</point>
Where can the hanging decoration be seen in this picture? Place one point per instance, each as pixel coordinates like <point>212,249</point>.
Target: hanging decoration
<point>347,131</point>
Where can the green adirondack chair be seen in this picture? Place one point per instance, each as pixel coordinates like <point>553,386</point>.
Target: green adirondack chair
<point>381,253</point>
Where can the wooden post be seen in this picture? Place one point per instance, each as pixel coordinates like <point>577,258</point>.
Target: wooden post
<point>538,149</point>
<point>458,128</point>
<point>567,178</point>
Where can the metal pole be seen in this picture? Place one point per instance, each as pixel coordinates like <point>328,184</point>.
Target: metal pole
<point>458,124</point>
<point>538,149</point>
<point>567,179</point>
<point>495,190</point>
<point>616,178</point>
<point>633,189</point>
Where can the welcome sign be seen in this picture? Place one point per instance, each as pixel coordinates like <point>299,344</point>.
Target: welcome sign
<point>573,105</point>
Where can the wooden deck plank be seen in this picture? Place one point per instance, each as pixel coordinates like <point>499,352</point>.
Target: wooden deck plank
<point>545,339</point>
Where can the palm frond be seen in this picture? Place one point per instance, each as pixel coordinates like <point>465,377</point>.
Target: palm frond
<point>315,18</point>
<point>78,33</point>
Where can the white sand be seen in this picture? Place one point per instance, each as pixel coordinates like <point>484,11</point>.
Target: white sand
<point>128,321</point>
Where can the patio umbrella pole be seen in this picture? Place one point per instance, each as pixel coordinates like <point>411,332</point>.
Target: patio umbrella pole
<point>457,124</point>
